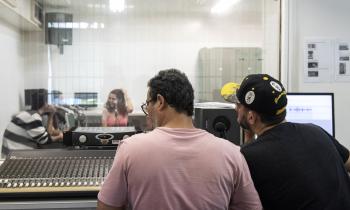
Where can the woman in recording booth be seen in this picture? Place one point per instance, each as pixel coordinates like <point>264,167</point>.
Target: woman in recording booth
<point>116,109</point>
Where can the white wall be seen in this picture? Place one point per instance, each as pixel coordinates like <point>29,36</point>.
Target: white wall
<point>322,19</point>
<point>11,71</point>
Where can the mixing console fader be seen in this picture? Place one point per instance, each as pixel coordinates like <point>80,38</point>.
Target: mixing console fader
<point>54,172</point>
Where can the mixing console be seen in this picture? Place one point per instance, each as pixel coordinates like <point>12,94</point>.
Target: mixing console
<point>34,172</point>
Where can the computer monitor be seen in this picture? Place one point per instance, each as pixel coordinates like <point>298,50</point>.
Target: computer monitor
<point>85,99</point>
<point>55,97</point>
<point>316,108</point>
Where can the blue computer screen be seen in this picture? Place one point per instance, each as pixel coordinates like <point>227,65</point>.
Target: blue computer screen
<point>316,108</point>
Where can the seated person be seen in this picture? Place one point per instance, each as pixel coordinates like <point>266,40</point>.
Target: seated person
<point>117,107</point>
<point>187,168</point>
<point>293,165</point>
<point>26,130</point>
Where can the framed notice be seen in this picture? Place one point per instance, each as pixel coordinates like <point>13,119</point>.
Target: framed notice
<point>318,60</point>
<point>342,61</point>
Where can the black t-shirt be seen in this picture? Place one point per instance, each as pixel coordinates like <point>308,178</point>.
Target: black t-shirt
<point>299,166</point>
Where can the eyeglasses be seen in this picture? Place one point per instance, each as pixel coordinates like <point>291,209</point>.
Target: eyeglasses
<point>144,106</point>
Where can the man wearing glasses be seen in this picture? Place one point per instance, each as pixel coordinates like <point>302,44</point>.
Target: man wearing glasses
<point>177,166</point>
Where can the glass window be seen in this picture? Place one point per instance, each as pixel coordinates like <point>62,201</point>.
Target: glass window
<point>95,46</point>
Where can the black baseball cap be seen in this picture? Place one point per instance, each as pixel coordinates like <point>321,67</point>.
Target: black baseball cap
<point>259,92</point>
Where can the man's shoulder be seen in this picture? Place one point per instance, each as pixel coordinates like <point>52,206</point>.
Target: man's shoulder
<point>25,116</point>
<point>174,134</point>
<point>261,144</point>
<point>26,113</point>
<point>309,130</point>
<point>140,138</point>
<point>290,125</point>
<point>22,113</point>
<point>251,145</point>
<point>277,136</point>
<point>162,132</point>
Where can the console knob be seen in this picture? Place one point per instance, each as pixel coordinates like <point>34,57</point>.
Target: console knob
<point>82,139</point>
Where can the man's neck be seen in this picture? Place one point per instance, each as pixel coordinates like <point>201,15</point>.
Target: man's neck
<point>177,120</point>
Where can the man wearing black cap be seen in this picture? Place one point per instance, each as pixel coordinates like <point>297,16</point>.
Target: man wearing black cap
<point>293,166</point>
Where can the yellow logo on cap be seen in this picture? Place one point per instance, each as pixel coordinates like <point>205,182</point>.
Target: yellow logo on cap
<point>279,96</point>
<point>281,110</point>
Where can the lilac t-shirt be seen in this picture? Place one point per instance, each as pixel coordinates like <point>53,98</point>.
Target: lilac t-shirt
<point>179,169</point>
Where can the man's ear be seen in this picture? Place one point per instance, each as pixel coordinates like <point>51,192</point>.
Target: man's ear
<point>251,117</point>
<point>161,103</point>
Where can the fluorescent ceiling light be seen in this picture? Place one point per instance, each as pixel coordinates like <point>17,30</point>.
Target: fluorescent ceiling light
<point>222,6</point>
<point>117,5</point>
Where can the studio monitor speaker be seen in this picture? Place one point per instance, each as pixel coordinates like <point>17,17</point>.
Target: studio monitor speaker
<point>222,122</point>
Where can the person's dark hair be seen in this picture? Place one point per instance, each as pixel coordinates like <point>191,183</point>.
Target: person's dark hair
<point>272,119</point>
<point>38,99</point>
<point>176,89</point>
<point>121,104</point>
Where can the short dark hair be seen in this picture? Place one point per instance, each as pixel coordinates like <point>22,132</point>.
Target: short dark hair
<point>38,99</point>
<point>176,89</point>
